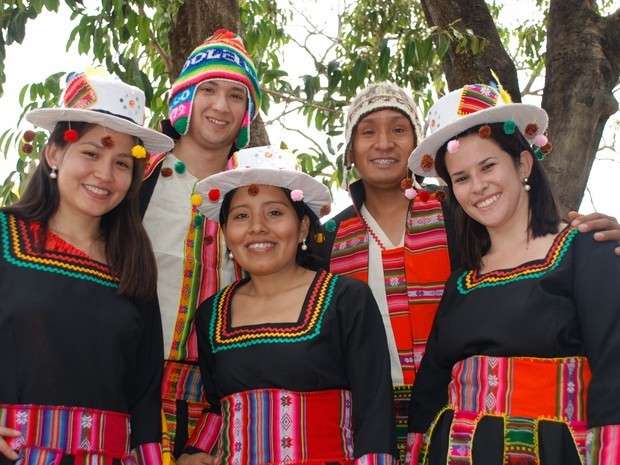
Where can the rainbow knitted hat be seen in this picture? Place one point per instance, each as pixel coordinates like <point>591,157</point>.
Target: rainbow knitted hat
<point>221,56</point>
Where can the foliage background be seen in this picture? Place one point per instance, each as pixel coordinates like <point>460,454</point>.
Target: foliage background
<point>313,56</point>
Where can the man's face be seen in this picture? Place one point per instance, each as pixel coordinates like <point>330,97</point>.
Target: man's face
<point>381,145</point>
<point>217,113</point>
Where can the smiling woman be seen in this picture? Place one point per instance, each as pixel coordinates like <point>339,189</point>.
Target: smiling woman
<point>523,355</point>
<point>80,332</point>
<point>306,345</point>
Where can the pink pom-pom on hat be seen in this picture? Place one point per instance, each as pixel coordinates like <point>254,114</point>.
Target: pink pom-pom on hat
<point>541,140</point>
<point>297,195</point>
<point>410,193</point>
<point>453,146</point>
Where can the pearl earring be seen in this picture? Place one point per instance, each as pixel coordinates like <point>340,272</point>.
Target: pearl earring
<point>54,172</point>
<point>230,255</point>
<point>526,186</point>
<point>304,246</point>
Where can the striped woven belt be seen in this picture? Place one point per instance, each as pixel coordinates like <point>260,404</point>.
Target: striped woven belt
<point>271,426</point>
<point>523,391</point>
<point>50,432</point>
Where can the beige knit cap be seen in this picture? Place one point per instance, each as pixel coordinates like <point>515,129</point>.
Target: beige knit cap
<point>375,97</point>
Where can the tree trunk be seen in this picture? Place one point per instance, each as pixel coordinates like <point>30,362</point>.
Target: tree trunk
<point>197,20</point>
<point>583,65</point>
<point>466,67</point>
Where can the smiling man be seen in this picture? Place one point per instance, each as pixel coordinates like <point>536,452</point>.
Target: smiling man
<point>212,103</point>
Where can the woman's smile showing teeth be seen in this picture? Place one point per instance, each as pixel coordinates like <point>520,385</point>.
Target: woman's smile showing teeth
<point>261,246</point>
<point>488,201</point>
<point>97,191</point>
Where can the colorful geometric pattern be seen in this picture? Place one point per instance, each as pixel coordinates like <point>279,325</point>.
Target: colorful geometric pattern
<point>521,441</point>
<point>472,280</point>
<point>221,56</point>
<point>223,337</point>
<point>522,391</point>
<point>414,274</point>
<point>278,427</point>
<point>476,97</point>
<point>50,432</point>
<point>19,248</point>
<point>79,93</point>
<point>401,396</point>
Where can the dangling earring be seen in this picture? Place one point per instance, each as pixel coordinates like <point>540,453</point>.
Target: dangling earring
<point>54,172</point>
<point>230,255</point>
<point>304,246</point>
<point>526,186</point>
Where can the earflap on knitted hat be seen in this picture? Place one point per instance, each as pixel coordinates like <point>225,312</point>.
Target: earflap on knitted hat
<point>375,97</point>
<point>221,56</point>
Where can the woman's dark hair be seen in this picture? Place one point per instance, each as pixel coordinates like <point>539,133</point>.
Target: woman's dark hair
<point>544,217</point>
<point>127,246</point>
<point>305,258</point>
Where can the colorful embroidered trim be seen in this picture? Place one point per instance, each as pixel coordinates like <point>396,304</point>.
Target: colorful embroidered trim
<point>79,93</point>
<point>476,97</point>
<point>414,446</point>
<point>415,274</point>
<point>223,337</point>
<point>19,250</point>
<point>200,280</point>
<point>472,280</point>
<point>206,433</point>
<point>401,396</point>
<point>522,391</point>
<point>144,454</point>
<point>276,426</point>
<point>376,459</point>
<point>603,445</point>
<point>521,441</point>
<point>182,381</point>
<point>49,432</point>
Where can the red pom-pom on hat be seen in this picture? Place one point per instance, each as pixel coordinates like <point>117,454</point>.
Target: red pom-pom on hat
<point>70,135</point>
<point>214,195</point>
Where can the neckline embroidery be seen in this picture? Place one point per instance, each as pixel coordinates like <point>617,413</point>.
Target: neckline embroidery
<point>471,280</point>
<point>224,337</point>
<point>18,248</point>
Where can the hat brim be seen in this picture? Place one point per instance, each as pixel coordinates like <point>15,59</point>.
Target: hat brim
<point>316,194</point>
<point>47,118</point>
<point>521,113</point>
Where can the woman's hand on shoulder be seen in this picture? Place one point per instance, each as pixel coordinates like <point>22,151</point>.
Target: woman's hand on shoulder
<point>5,449</point>
<point>200,458</point>
<point>605,227</point>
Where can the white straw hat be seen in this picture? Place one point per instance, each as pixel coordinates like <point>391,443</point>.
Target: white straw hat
<point>262,165</point>
<point>99,98</point>
<point>470,106</point>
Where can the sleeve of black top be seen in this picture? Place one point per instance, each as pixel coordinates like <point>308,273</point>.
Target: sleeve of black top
<point>368,370</point>
<point>206,360</point>
<point>430,390</point>
<point>596,276</point>
<point>145,409</point>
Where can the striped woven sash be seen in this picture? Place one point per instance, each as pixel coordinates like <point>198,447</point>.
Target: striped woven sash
<point>92,437</point>
<point>523,391</point>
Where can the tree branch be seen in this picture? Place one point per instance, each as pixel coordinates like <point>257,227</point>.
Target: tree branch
<point>294,98</point>
<point>466,67</point>
<point>307,137</point>
<point>164,56</point>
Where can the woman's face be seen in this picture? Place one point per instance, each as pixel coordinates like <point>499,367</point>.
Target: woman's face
<point>486,182</point>
<point>94,172</point>
<point>263,230</point>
